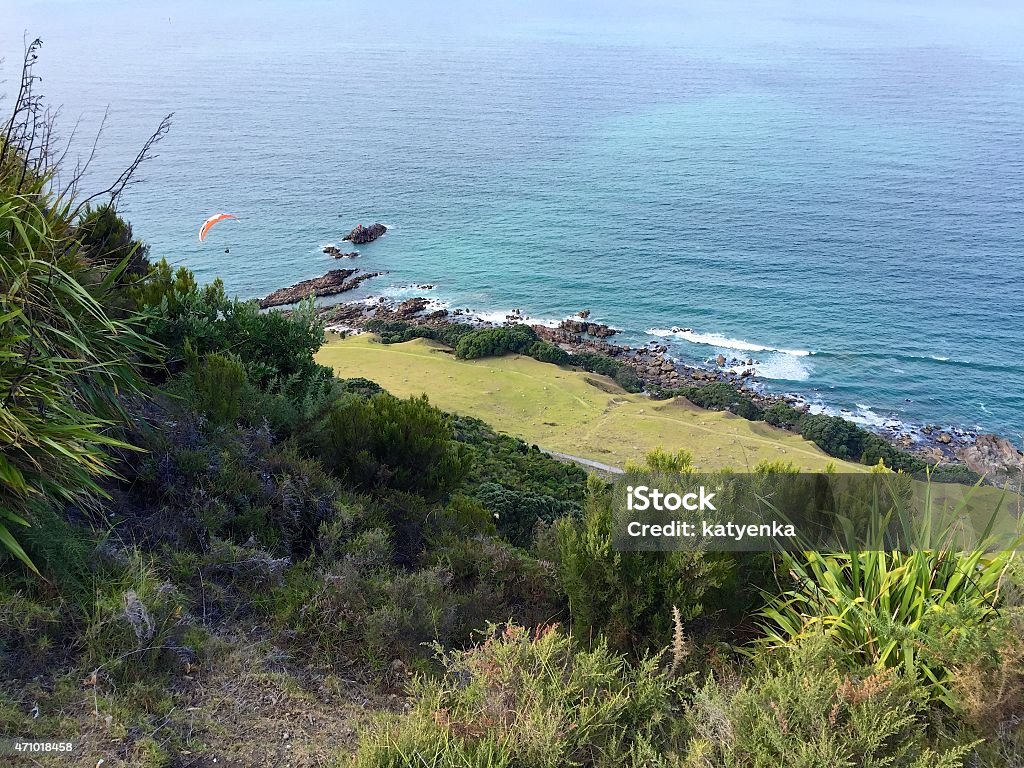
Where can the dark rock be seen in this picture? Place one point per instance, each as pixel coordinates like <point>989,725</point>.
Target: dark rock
<point>334,282</point>
<point>597,330</point>
<point>411,307</point>
<point>362,234</point>
<point>336,252</point>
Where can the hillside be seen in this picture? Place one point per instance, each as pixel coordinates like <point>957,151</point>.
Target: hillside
<point>565,410</point>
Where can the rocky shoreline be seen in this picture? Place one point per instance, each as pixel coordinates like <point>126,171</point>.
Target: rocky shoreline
<point>982,453</point>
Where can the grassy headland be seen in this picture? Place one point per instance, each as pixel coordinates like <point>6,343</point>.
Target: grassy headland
<point>568,411</point>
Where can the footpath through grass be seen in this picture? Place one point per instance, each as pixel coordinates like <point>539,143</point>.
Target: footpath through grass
<point>565,410</point>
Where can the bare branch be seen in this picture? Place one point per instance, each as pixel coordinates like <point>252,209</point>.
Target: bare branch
<point>122,181</point>
<point>24,100</point>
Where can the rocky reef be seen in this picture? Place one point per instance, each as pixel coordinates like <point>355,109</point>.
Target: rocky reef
<point>334,282</point>
<point>361,234</point>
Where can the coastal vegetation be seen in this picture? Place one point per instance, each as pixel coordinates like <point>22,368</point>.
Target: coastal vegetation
<point>215,550</point>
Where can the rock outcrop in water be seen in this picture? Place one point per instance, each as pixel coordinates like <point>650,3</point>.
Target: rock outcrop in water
<point>362,234</point>
<point>597,330</point>
<point>336,252</point>
<point>334,282</point>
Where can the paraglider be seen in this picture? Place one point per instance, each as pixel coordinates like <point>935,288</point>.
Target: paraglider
<point>208,224</point>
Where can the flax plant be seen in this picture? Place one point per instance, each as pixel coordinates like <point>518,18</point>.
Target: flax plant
<point>919,607</point>
<point>65,364</point>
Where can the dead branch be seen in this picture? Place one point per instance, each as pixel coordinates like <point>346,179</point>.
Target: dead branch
<point>146,153</point>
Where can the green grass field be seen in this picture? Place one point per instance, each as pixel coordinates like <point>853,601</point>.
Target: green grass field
<point>565,410</point>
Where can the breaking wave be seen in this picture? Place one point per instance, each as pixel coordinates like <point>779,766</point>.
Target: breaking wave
<point>719,341</point>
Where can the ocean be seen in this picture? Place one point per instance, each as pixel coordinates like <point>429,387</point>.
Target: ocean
<point>835,191</point>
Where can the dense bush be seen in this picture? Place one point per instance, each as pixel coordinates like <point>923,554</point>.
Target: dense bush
<point>106,240</point>
<point>719,396</point>
<point>272,345</point>
<point>834,435</point>
<point>546,352</point>
<point>398,331</point>
<point>236,484</point>
<point>382,441</point>
<point>493,342</point>
<point>510,462</point>
<point>518,512</point>
<point>624,376</point>
<point>529,699</point>
<point>501,582</point>
<point>784,416</point>
<point>216,386</point>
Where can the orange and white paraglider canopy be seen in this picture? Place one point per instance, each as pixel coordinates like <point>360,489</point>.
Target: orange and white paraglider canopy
<point>208,224</point>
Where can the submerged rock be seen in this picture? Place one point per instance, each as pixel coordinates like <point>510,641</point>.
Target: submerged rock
<point>362,234</point>
<point>336,252</point>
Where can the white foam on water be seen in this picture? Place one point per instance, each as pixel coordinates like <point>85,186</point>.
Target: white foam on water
<point>780,367</point>
<point>722,342</point>
<point>501,316</point>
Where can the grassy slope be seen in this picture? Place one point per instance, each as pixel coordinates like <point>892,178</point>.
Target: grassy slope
<point>566,410</point>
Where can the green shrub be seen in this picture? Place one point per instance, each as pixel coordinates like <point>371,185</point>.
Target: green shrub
<point>783,416</point>
<point>594,363</point>
<point>546,352</point>
<point>215,388</point>
<point>528,699</point>
<point>834,435</point>
<point>233,484</point>
<point>493,342</point>
<point>500,581</point>
<point>398,331</point>
<point>628,379</point>
<point>383,441</point>
<point>663,462</point>
<point>510,462</point>
<point>518,512</point>
<point>627,596</point>
<point>106,240</point>
<point>720,396</point>
<point>271,345</point>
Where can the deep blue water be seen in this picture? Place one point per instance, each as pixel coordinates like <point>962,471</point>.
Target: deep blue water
<point>837,193</point>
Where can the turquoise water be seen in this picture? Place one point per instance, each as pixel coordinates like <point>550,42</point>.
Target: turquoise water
<point>837,194</point>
